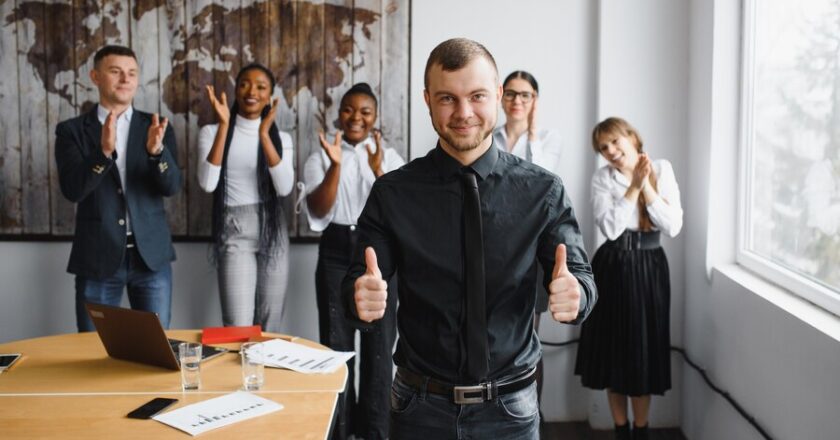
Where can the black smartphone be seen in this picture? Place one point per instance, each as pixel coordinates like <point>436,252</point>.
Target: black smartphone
<point>150,408</point>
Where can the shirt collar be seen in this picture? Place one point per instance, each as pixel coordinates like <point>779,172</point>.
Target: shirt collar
<point>448,166</point>
<point>361,145</point>
<point>618,177</point>
<point>102,114</point>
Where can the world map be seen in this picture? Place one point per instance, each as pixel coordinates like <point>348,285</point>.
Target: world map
<point>316,49</point>
<point>212,44</point>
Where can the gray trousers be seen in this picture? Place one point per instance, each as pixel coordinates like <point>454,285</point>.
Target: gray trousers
<point>252,281</point>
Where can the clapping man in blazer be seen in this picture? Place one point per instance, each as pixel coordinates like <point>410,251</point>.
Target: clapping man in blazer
<point>117,164</point>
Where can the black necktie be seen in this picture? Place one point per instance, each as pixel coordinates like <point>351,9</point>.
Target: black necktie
<point>476,318</point>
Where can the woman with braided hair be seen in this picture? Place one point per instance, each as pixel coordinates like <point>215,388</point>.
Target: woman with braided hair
<point>625,344</point>
<point>247,165</point>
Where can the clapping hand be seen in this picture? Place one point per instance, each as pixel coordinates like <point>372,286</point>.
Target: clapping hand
<point>220,105</point>
<point>109,135</point>
<point>333,150</point>
<point>266,122</point>
<point>154,137</point>
<point>642,171</point>
<point>532,120</point>
<point>375,157</point>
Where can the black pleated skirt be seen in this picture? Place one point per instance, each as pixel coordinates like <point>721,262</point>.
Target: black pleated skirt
<point>625,342</point>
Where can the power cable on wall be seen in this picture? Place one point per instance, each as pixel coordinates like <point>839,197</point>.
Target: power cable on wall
<point>750,419</point>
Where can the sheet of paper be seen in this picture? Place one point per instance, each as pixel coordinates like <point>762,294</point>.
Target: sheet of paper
<point>217,412</point>
<point>284,354</point>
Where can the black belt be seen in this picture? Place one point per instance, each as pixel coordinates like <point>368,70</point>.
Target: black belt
<point>460,394</point>
<point>634,240</point>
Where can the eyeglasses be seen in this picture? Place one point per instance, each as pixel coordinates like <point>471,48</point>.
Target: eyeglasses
<point>510,96</point>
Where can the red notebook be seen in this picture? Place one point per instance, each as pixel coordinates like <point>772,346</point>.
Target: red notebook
<point>219,335</point>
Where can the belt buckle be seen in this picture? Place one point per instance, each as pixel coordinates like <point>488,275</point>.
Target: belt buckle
<point>462,398</point>
<point>637,242</point>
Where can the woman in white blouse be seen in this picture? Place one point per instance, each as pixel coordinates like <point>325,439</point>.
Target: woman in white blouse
<point>625,343</point>
<point>248,167</point>
<point>520,134</point>
<point>521,137</point>
<point>338,179</point>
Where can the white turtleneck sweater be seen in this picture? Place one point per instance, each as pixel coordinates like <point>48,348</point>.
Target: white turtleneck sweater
<point>242,163</point>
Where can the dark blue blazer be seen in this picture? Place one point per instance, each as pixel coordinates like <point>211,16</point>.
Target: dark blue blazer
<point>91,180</point>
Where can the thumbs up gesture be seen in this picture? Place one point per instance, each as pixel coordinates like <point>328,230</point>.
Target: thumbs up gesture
<point>371,290</point>
<point>564,290</point>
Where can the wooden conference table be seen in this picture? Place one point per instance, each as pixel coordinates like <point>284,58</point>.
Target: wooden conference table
<point>66,386</point>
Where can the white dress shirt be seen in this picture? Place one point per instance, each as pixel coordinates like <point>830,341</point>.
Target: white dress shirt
<point>614,213</point>
<point>544,151</point>
<point>123,124</point>
<point>241,177</point>
<point>354,183</point>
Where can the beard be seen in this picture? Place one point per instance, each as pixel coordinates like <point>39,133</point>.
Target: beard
<point>461,143</point>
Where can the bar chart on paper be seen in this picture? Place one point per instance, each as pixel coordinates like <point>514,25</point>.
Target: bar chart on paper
<point>214,413</point>
<point>278,353</point>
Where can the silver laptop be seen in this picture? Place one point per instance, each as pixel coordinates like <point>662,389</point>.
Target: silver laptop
<point>138,336</point>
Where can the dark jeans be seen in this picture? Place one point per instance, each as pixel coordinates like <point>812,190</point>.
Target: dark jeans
<point>424,416</point>
<point>363,414</point>
<point>147,290</point>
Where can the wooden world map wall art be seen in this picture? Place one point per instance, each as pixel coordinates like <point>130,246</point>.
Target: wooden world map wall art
<point>316,49</point>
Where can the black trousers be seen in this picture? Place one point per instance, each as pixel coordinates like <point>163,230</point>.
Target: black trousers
<point>366,413</point>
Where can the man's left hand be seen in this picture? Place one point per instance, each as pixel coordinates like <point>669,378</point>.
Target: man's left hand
<point>154,137</point>
<point>564,290</point>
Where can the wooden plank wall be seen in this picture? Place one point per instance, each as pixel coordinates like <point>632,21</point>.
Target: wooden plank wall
<point>317,49</point>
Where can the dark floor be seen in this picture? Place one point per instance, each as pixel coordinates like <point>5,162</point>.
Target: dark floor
<point>582,431</point>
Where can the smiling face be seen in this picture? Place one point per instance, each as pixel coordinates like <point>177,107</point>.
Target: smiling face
<point>517,109</point>
<point>116,78</point>
<point>356,116</point>
<point>253,92</point>
<point>463,105</point>
<point>620,151</point>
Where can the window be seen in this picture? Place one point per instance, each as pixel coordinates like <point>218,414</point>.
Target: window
<point>790,204</point>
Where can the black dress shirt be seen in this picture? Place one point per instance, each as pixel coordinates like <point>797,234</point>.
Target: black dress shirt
<point>413,220</point>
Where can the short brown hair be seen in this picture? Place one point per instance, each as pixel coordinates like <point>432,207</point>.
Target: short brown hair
<point>454,54</point>
<point>112,50</point>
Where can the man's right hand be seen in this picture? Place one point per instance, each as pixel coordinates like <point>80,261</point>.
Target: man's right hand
<point>371,290</point>
<point>109,135</point>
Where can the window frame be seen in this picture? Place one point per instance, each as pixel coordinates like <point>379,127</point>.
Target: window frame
<point>773,272</point>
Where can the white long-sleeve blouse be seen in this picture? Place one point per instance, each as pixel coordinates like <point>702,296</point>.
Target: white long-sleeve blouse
<point>613,213</point>
<point>242,163</point>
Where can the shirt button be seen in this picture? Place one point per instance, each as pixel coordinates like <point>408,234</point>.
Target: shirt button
<point>121,222</point>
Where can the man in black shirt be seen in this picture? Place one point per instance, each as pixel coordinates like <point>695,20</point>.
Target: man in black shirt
<point>417,223</point>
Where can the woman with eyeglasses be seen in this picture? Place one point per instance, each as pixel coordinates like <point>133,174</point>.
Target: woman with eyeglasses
<point>520,134</point>
<point>625,343</point>
<point>521,137</point>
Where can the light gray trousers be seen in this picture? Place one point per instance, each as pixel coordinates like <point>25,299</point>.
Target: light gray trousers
<point>252,282</point>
